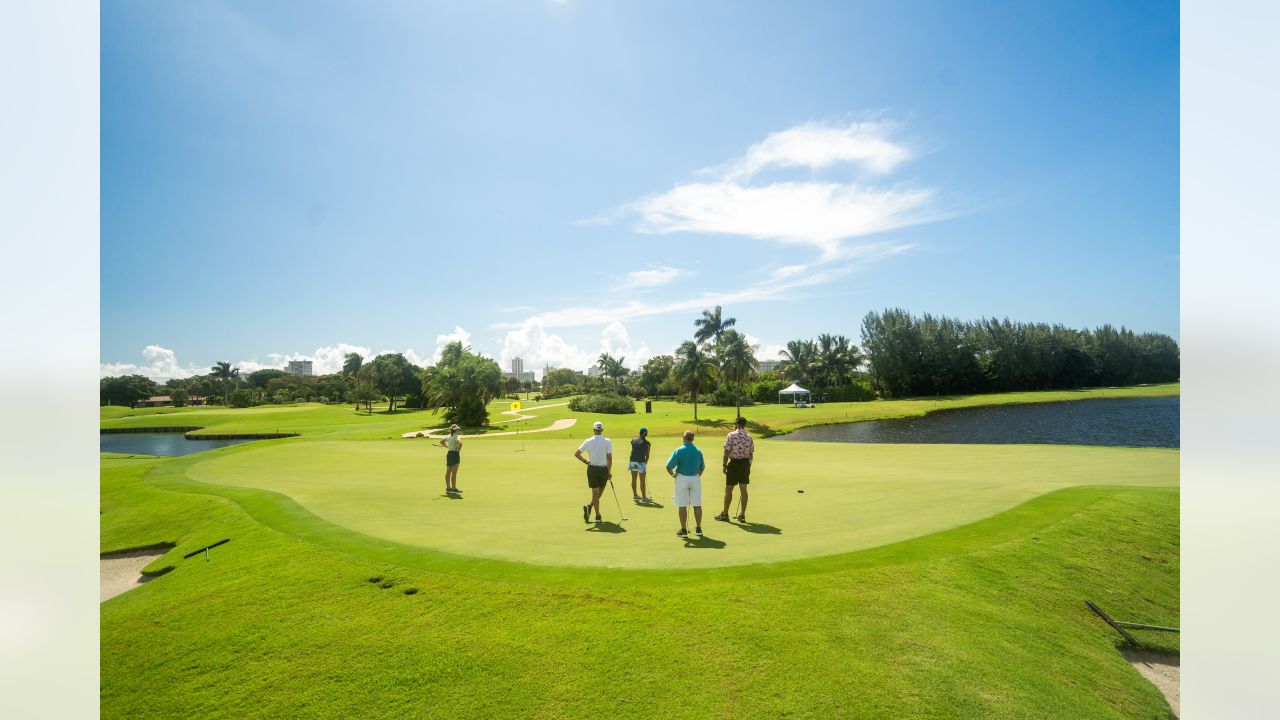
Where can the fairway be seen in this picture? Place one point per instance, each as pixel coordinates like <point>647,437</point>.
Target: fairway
<point>522,499</point>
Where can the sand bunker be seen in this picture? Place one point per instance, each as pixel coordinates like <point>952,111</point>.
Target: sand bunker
<point>1162,669</point>
<point>122,572</point>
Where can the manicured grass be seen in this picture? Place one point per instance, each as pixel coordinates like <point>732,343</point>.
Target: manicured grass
<point>983,621</point>
<point>855,496</point>
<point>906,582</point>
<point>668,418</point>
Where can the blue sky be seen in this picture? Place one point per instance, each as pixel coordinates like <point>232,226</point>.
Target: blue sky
<point>553,179</point>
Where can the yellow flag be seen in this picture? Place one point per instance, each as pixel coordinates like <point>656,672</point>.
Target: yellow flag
<point>515,405</point>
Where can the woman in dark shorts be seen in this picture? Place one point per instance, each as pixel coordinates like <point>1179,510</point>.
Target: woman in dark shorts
<point>452,458</point>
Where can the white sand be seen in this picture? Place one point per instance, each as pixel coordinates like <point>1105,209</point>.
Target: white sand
<point>1162,670</point>
<point>121,572</point>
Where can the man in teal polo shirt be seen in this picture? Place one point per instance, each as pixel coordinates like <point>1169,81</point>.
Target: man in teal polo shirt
<point>686,466</point>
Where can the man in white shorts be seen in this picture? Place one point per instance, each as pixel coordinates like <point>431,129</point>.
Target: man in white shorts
<point>686,466</point>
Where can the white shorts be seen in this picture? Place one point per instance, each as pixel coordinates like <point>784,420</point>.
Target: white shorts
<point>688,491</point>
<point>636,467</point>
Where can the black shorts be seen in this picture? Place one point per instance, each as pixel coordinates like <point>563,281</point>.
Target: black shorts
<point>597,476</point>
<point>739,472</point>
<point>451,458</point>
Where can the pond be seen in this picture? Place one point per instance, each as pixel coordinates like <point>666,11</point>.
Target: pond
<point>1134,422</point>
<point>158,443</point>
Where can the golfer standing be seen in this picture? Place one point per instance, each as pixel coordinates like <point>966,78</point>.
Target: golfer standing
<point>739,451</point>
<point>639,464</point>
<point>599,462</point>
<point>452,459</point>
<point>686,466</point>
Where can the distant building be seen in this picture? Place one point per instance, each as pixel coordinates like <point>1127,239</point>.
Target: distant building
<point>769,365</point>
<point>528,376</point>
<point>517,366</point>
<point>299,367</point>
<point>166,401</point>
<point>593,371</point>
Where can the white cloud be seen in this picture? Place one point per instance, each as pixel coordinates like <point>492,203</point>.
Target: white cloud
<point>531,342</point>
<point>653,277</point>
<point>458,335</point>
<point>819,214</point>
<point>817,146</point>
<point>615,340</point>
<point>161,364</point>
<point>765,351</point>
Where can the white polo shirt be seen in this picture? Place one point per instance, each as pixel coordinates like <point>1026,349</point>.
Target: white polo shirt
<point>597,448</point>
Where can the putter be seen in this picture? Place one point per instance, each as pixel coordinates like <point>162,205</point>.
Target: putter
<point>615,499</point>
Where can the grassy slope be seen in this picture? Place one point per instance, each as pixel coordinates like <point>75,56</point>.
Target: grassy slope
<point>982,621</point>
<point>856,496</point>
<point>668,418</point>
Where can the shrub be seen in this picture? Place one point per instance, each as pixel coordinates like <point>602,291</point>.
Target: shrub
<point>243,397</point>
<point>606,404</point>
<point>726,398</point>
<point>767,390</point>
<point>859,391</point>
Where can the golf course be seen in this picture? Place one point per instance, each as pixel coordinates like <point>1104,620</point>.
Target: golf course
<point>868,580</point>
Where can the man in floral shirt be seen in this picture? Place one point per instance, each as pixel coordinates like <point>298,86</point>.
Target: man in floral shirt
<point>739,451</point>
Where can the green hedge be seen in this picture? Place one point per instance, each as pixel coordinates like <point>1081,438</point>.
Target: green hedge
<point>606,404</point>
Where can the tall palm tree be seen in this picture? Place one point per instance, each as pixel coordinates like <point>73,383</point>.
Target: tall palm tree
<point>711,325</point>
<point>224,372</point>
<point>694,370</point>
<point>799,360</point>
<point>612,367</point>
<point>737,360</point>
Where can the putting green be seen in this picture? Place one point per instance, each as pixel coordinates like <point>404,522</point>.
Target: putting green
<point>523,499</point>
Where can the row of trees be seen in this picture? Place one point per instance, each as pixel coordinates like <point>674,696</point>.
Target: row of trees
<point>461,385</point>
<point>927,355</point>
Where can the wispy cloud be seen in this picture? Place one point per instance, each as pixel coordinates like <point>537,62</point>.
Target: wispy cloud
<point>774,287</point>
<point>655,276</point>
<point>817,146</point>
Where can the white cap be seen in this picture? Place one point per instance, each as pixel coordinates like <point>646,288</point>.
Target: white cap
<point>454,427</point>
<point>598,426</point>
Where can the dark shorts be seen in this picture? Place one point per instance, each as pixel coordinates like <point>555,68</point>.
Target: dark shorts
<point>453,457</point>
<point>597,476</point>
<point>739,473</point>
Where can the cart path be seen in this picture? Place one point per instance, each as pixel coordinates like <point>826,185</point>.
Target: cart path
<point>517,415</point>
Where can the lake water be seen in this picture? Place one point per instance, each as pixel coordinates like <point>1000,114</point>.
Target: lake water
<point>1136,422</point>
<point>159,443</point>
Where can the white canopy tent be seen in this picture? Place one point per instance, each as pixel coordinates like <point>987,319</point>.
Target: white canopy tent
<point>795,391</point>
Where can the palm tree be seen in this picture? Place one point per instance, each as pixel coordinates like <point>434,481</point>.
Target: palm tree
<point>351,367</point>
<point>711,325</point>
<point>737,360</point>
<point>693,370</point>
<point>799,360</point>
<point>612,367</point>
<point>224,372</point>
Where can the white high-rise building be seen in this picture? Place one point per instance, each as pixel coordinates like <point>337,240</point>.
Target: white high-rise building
<point>517,366</point>
<point>299,367</point>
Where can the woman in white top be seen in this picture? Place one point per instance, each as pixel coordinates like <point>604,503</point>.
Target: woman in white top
<point>452,459</point>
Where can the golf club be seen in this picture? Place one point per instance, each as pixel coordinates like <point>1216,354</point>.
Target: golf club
<point>615,499</point>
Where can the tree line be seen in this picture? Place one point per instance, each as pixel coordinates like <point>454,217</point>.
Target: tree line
<point>937,355</point>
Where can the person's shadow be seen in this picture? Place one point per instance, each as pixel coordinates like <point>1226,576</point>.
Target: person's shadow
<point>758,528</point>
<point>694,541</point>
<point>608,527</point>
<point>651,504</point>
